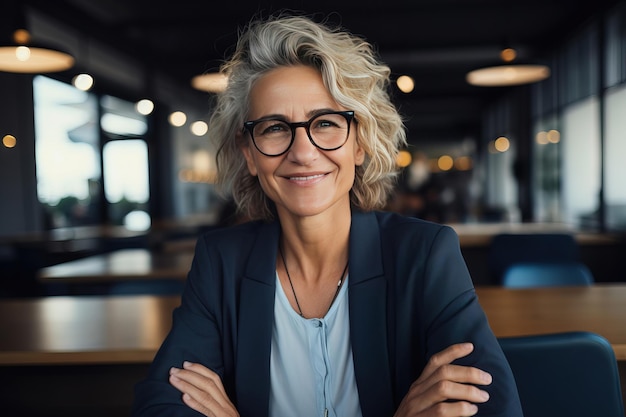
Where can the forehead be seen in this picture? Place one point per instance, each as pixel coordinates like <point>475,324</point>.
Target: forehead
<point>289,91</point>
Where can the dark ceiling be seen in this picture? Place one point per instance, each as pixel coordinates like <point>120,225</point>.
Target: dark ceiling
<point>435,41</point>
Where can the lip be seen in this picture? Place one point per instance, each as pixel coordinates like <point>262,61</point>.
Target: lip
<point>305,178</point>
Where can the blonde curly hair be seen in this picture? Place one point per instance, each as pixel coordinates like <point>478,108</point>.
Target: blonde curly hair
<point>353,75</point>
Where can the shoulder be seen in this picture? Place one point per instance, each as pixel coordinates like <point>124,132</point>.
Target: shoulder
<point>238,238</point>
<point>395,227</point>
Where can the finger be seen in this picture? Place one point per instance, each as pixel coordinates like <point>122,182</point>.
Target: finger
<point>208,391</point>
<point>447,390</point>
<point>460,408</point>
<point>446,356</point>
<point>451,375</point>
<point>428,395</point>
<point>205,372</point>
<point>462,374</point>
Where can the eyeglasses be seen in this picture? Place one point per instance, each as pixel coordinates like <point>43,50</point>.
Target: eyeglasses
<point>327,131</point>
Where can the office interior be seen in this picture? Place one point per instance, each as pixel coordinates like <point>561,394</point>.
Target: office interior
<point>87,171</point>
<point>124,162</point>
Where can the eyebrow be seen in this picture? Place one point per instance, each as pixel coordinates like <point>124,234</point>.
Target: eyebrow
<point>309,114</point>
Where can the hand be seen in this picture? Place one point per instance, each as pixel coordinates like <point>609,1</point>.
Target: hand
<point>444,389</point>
<point>202,390</point>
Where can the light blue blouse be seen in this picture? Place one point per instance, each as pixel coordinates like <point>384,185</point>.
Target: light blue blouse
<point>311,367</point>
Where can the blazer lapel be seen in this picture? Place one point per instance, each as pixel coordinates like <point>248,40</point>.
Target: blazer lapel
<point>256,317</point>
<point>368,317</point>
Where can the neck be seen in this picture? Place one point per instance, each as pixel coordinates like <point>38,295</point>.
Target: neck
<point>314,243</point>
<point>295,300</point>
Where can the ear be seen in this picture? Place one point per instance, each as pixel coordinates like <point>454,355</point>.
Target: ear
<point>247,153</point>
<point>359,153</point>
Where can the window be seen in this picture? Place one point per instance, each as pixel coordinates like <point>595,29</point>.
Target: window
<point>614,166</point>
<point>67,153</point>
<point>91,157</point>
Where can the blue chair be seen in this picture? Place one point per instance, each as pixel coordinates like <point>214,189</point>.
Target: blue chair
<point>507,249</point>
<point>573,374</point>
<point>546,274</point>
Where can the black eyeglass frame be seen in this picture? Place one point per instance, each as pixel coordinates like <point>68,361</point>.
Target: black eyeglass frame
<point>347,114</point>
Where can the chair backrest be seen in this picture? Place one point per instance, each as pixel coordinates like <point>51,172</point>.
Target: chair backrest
<point>507,249</point>
<point>546,274</point>
<point>571,374</point>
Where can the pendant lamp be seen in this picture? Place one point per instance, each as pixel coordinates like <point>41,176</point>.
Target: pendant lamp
<point>18,52</point>
<point>210,82</point>
<point>507,74</point>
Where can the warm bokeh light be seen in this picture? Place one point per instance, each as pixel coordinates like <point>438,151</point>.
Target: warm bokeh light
<point>508,54</point>
<point>210,82</point>
<point>405,83</point>
<point>445,163</point>
<point>201,161</point>
<point>542,138</point>
<point>144,106</point>
<point>404,159</point>
<point>501,144</point>
<point>463,163</point>
<point>554,136</point>
<point>21,36</point>
<point>178,118</point>
<point>22,53</point>
<point>83,82</point>
<point>190,175</point>
<point>9,141</point>
<point>507,75</point>
<point>199,128</point>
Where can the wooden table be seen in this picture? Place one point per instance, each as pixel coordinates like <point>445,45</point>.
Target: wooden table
<point>481,234</point>
<point>109,341</point>
<point>89,329</point>
<point>123,264</point>
<point>600,308</point>
<point>78,330</point>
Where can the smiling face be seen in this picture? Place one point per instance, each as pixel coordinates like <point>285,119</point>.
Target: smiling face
<point>304,181</point>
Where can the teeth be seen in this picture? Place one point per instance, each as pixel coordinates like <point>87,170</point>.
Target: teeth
<point>310,177</point>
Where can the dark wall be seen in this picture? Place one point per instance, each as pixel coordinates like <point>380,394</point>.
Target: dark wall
<point>19,207</point>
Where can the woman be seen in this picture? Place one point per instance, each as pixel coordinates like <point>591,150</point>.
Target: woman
<point>321,306</point>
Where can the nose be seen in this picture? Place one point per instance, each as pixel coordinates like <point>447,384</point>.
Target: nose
<point>302,150</point>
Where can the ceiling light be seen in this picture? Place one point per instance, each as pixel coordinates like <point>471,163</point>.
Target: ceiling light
<point>213,82</point>
<point>9,141</point>
<point>199,128</point>
<point>19,54</point>
<point>178,118</point>
<point>508,74</point>
<point>83,82</point>
<point>144,106</point>
<point>405,83</point>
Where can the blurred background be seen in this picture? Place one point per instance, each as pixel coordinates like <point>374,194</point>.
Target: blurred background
<point>514,112</point>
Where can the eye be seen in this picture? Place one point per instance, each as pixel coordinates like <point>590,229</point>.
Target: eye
<point>270,127</point>
<point>325,123</point>
<point>328,121</point>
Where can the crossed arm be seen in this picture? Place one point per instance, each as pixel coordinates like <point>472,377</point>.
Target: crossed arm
<point>443,389</point>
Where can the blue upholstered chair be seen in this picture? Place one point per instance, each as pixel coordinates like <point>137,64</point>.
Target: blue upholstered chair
<point>546,274</point>
<point>571,374</point>
<point>507,249</point>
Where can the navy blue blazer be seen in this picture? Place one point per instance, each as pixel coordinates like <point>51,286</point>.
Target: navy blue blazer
<point>410,296</point>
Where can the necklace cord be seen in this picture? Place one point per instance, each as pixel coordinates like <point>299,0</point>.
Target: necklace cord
<point>293,290</point>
